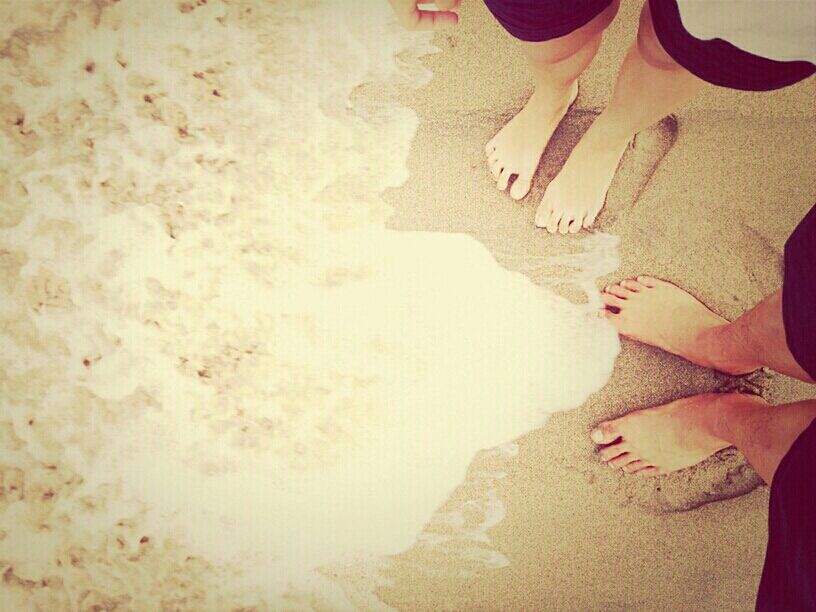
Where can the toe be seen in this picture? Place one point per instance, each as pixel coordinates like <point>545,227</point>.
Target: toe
<point>608,453</point>
<point>563,225</point>
<point>504,178</point>
<point>521,186</point>
<point>554,221</point>
<point>648,281</point>
<point>618,291</point>
<point>649,470</point>
<point>547,216</point>
<point>605,432</point>
<point>632,285</point>
<point>634,466</point>
<point>576,225</point>
<point>496,168</point>
<point>612,300</point>
<point>490,147</point>
<point>620,461</point>
<point>589,220</point>
<point>543,214</point>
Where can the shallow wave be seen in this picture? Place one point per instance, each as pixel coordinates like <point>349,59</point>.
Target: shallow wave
<point>218,366</point>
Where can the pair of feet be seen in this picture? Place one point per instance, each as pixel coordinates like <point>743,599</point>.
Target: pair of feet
<point>655,440</point>
<point>575,197</point>
<point>677,435</point>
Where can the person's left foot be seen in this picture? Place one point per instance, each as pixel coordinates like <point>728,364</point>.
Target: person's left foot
<point>665,438</point>
<point>577,194</point>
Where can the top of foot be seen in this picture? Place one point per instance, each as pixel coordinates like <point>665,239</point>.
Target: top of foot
<point>667,438</point>
<point>518,146</point>
<point>662,314</point>
<point>577,194</point>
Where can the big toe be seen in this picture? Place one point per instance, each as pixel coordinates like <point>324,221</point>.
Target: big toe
<point>543,214</point>
<point>521,186</point>
<point>549,214</point>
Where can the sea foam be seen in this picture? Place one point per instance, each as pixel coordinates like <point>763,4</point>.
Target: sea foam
<point>209,338</point>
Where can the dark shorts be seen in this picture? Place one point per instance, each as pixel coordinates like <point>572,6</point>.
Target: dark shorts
<point>719,62</point>
<point>715,61</point>
<point>799,293</point>
<point>540,20</point>
<point>789,576</point>
<point>788,581</point>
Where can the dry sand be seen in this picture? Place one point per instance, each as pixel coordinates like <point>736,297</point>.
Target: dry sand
<point>706,201</point>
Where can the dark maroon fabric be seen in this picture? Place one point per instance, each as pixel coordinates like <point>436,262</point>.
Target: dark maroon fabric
<point>717,61</point>
<point>799,293</point>
<point>789,577</point>
<point>540,20</point>
<point>788,581</point>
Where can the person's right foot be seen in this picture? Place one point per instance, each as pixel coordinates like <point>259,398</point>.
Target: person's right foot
<point>518,146</point>
<point>662,314</point>
<point>666,438</point>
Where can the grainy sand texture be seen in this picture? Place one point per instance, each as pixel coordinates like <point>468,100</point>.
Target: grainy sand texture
<point>271,339</point>
<point>705,199</point>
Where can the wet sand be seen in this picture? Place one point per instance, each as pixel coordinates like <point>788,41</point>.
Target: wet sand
<point>705,199</point>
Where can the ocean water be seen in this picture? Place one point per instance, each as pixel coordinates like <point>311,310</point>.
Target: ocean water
<point>219,371</point>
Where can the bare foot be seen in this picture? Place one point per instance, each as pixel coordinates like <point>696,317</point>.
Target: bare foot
<point>575,197</point>
<point>660,313</point>
<point>666,438</point>
<point>517,148</point>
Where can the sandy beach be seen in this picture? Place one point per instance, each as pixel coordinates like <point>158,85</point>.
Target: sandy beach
<point>728,187</point>
<point>236,351</point>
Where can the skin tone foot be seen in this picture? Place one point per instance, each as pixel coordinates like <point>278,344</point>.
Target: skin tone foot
<point>517,148</point>
<point>660,313</point>
<point>666,438</point>
<point>575,197</point>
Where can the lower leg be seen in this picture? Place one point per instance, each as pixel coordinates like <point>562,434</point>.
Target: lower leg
<point>763,433</point>
<point>650,85</point>
<point>556,65</point>
<point>758,336</point>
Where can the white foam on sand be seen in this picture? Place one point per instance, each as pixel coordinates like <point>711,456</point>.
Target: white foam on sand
<point>208,335</point>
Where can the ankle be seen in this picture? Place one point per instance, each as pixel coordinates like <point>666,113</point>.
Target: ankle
<point>555,97</point>
<point>616,134</point>
<point>722,350</point>
<point>730,413</point>
<point>709,344</point>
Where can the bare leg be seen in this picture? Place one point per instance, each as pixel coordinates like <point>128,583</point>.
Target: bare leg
<point>674,436</point>
<point>662,314</point>
<point>650,85</point>
<point>556,65</point>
